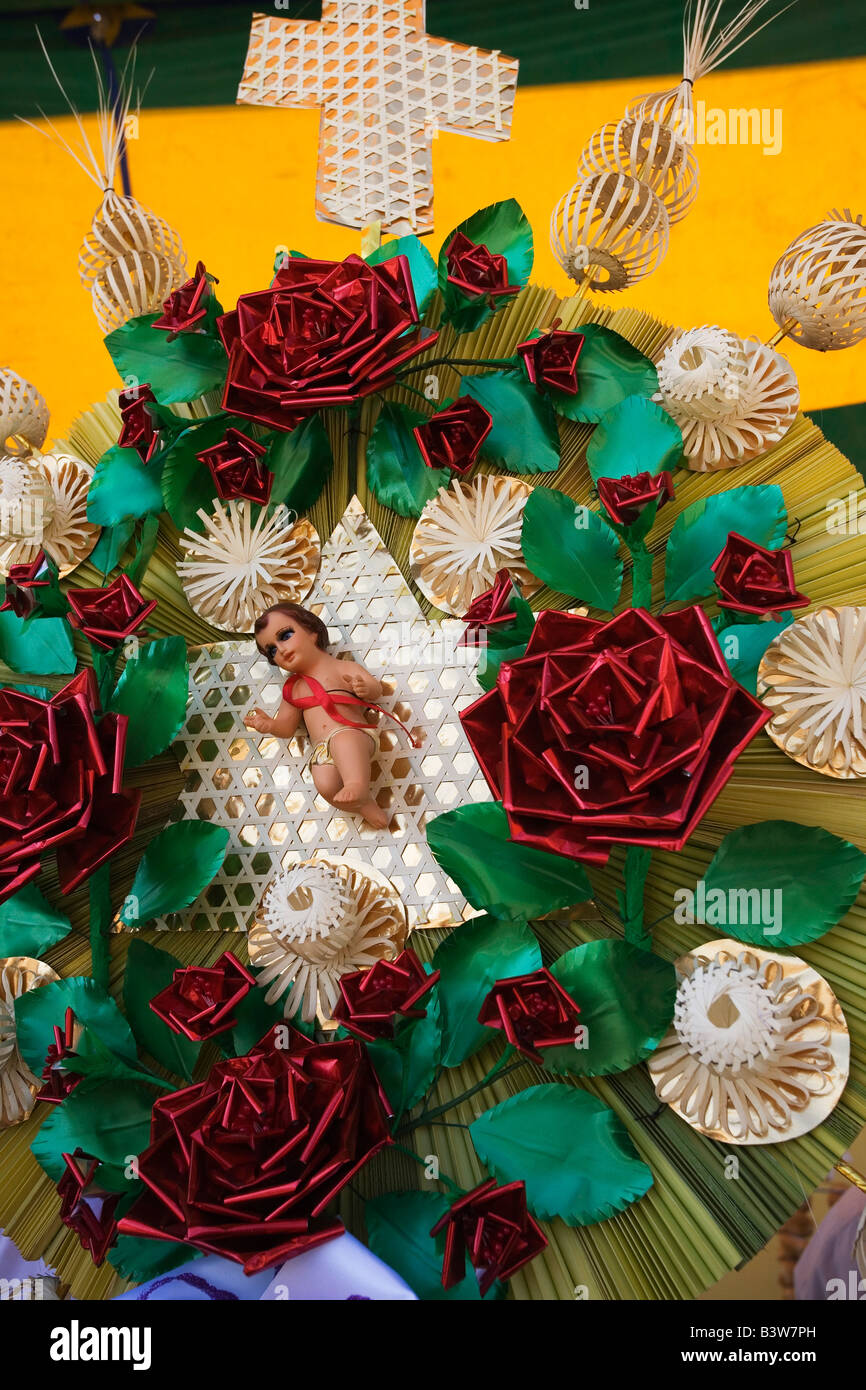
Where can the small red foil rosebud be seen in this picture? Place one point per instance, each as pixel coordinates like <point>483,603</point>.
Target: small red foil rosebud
<point>137,428</point>
<point>493,1229</point>
<point>58,1081</point>
<point>452,438</point>
<point>551,360</point>
<point>85,1207</point>
<point>475,271</point>
<point>23,583</point>
<point>490,609</point>
<point>534,1012</point>
<point>372,999</point>
<point>237,469</point>
<point>624,499</point>
<point>200,1000</point>
<point>108,616</point>
<point>187,306</point>
<point>751,579</point>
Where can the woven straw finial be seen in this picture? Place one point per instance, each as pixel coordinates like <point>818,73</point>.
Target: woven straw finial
<point>817,289</point>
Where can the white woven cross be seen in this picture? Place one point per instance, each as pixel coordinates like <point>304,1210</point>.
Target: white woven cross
<point>385,88</point>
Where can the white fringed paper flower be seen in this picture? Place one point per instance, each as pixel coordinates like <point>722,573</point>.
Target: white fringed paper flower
<point>62,529</point>
<point>241,565</point>
<point>813,677</point>
<point>18,1085</point>
<point>465,535</point>
<point>320,920</point>
<point>758,1050</point>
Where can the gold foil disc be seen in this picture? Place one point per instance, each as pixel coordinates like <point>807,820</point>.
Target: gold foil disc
<point>18,1085</point>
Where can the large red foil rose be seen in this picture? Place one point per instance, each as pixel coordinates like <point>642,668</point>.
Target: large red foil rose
<point>200,999</point>
<point>326,333</point>
<point>108,616</point>
<point>371,999</point>
<point>534,1011</point>
<point>551,360</point>
<point>619,732</point>
<point>475,271</point>
<point>246,1163</point>
<point>751,579</point>
<point>624,499</point>
<point>237,469</point>
<point>61,768</point>
<point>452,438</point>
<point>491,1227</point>
<point>187,307</point>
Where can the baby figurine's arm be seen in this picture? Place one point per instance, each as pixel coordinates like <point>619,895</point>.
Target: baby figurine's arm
<point>358,679</point>
<point>284,723</point>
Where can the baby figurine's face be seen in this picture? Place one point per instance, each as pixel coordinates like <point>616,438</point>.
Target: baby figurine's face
<point>289,645</point>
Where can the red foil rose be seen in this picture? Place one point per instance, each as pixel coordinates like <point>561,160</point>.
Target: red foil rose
<point>452,438</point>
<point>187,307</point>
<point>624,499</point>
<point>751,579</point>
<point>58,1081</point>
<point>245,1163</point>
<point>85,1207</point>
<point>475,271</point>
<point>23,583</point>
<point>326,333</point>
<point>490,609</point>
<point>534,1012</point>
<point>200,999</point>
<point>137,429</point>
<point>551,360</point>
<point>61,763</point>
<point>372,999</point>
<point>493,1229</point>
<point>619,732</point>
<point>108,616</point>
<point>237,469</point>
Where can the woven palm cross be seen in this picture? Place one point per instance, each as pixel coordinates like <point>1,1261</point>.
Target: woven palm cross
<point>385,88</point>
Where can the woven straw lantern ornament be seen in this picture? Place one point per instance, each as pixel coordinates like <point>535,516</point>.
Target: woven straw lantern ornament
<point>818,285</point>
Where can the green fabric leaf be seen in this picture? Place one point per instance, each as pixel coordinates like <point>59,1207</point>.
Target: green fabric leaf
<point>122,487</point>
<point>43,648</point>
<point>472,958</point>
<point>397,475</point>
<point>780,884</point>
<point>636,436</point>
<point>108,1119</point>
<point>254,1019</point>
<point>139,1260</point>
<point>29,925</point>
<point>524,437</point>
<point>398,1231</point>
<point>505,230</point>
<point>571,1150</point>
<point>631,901</point>
<point>174,869</point>
<point>187,483</point>
<point>472,845</point>
<point>571,548</point>
<point>39,1010</point>
<point>40,692</point>
<point>301,462</point>
<point>407,1064</point>
<point>743,644</point>
<point>422,266</point>
<point>700,532</point>
<point>180,369</point>
<point>152,691</point>
<point>608,370</point>
<point>149,970</point>
<point>626,999</point>
<point>111,545</point>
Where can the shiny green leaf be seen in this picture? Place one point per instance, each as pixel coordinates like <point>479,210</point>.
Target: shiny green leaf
<point>254,1018</point>
<point>107,1119</point>
<point>139,1259</point>
<point>636,436</point>
<point>178,369</point>
<point>301,462</point>
<point>524,437</point>
<point>778,883</point>
<point>505,230</point>
<point>631,900</point>
<point>505,643</point>
<point>571,1150</point>
<point>29,925</point>
<point>472,958</point>
<point>472,845</point>
<point>700,532</point>
<point>743,644</point>
<point>608,370</point>
<point>149,970</point>
<point>39,1010</point>
<point>174,869</point>
<point>152,691</point>
<point>422,266</point>
<point>407,1064</point>
<point>111,545</point>
<point>122,487</point>
<point>41,648</point>
<point>398,1231</point>
<point>571,548</point>
<point>397,475</point>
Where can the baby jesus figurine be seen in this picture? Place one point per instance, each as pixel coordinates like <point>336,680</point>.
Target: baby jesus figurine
<point>332,696</point>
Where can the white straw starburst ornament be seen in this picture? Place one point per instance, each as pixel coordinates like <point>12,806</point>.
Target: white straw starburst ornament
<point>758,1050</point>
<point>245,562</point>
<point>817,289</point>
<point>320,920</point>
<point>465,535</point>
<point>813,677</point>
<point>18,1085</point>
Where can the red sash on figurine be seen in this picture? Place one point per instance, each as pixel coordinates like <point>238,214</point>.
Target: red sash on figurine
<point>322,698</point>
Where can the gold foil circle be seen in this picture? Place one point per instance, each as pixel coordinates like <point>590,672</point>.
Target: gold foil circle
<point>825,1085</point>
<point>18,1085</point>
<point>464,535</point>
<point>813,677</point>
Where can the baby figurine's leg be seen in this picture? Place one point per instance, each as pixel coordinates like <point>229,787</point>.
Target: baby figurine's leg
<point>352,753</point>
<point>327,780</point>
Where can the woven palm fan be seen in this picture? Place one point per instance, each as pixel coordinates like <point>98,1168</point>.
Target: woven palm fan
<point>694,1225</point>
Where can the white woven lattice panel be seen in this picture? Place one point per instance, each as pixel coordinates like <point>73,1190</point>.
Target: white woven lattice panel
<point>261,788</point>
<point>385,88</point>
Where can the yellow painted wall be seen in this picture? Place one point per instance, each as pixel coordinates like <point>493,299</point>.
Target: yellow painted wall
<point>238,181</point>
